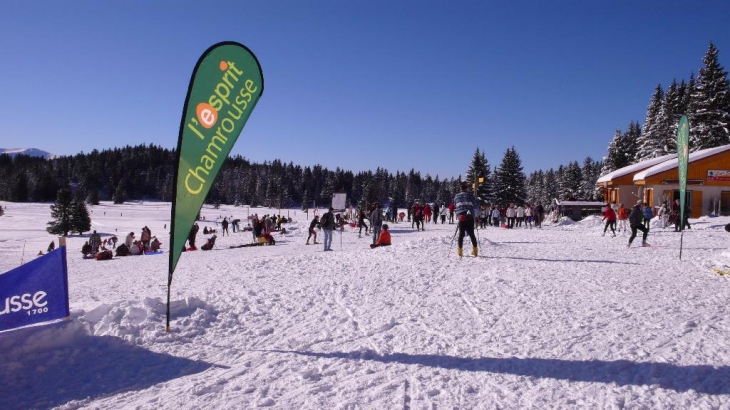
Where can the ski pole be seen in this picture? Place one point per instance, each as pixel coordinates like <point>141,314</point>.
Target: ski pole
<point>453,237</point>
<point>479,240</point>
<point>22,255</point>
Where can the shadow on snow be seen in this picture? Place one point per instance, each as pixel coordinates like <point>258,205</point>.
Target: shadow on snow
<point>700,378</point>
<point>90,368</point>
<point>562,260</point>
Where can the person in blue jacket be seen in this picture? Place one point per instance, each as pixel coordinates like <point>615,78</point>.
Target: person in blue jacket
<point>465,208</point>
<point>648,214</point>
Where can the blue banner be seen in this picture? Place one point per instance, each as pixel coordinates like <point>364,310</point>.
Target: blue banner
<point>35,292</point>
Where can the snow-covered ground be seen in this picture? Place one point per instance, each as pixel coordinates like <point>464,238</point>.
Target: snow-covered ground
<point>559,317</point>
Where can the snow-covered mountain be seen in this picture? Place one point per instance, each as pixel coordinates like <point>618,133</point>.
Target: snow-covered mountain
<point>33,152</point>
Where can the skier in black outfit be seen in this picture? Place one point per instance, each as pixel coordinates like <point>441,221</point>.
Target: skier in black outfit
<point>191,236</point>
<point>361,222</point>
<point>224,224</point>
<point>312,231</point>
<point>635,219</point>
<point>466,206</point>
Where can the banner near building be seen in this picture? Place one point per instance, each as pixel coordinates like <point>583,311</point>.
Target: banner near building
<point>225,86</point>
<point>718,175</point>
<point>35,292</point>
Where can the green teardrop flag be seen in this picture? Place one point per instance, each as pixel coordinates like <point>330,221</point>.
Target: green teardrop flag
<point>683,158</point>
<point>225,86</point>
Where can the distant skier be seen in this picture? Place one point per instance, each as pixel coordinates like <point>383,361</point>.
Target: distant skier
<point>376,222</point>
<point>361,222</point>
<point>539,214</point>
<point>609,215</point>
<point>635,220</point>
<point>224,225</point>
<point>312,229</point>
<point>466,205</point>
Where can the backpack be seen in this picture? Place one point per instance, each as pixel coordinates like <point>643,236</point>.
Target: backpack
<point>122,250</point>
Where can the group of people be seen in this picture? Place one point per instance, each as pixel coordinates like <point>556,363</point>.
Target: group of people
<point>639,219</point>
<point>99,249</point>
<point>261,228</point>
<point>145,244</point>
<point>328,223</point>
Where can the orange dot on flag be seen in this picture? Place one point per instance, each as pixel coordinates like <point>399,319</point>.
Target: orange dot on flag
<point>224,66</point>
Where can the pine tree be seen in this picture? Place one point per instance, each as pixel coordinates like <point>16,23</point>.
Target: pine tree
<point>369,196</point>
<point>120,195</point>
<point>571,182</point>
<point>628,146</point>
<point>610,160</point>
<point>509,180</point>
<point>479,168</point>
<point>710,105</point>
<point>535,187</point>
<point>61,212</point>
<point>305,200</point>
<point>650,140</point>
<point>686,91</point>
<point>80,219</point>
<point>588,183</point>
<point>668,119</point>
<point>93,197</point>
<point>20,188</point>
<point>551,187</point>
<point>2,211</point>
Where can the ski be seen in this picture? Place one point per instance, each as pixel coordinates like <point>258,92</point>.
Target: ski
<point>721,272</point>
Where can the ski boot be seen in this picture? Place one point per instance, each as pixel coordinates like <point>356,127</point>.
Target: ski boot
<point>307,242</point>
<point>645,243</point>
<point>475,252</point>
<point>459,252</point>
<point>315,242</point>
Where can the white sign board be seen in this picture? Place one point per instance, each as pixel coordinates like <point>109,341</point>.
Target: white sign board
<point>339,201</point>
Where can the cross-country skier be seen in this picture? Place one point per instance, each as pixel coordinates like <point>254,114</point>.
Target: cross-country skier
<point>465,208</point>
<point>609,215</point>
<point>635,219</point>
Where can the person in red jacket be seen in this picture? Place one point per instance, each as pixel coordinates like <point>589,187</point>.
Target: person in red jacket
<point>609,215</point>
<point>452,207</point>
<point>427,212</point>
<point>383,239</point>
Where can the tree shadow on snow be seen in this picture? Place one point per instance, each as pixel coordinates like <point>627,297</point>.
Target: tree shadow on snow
<point>700,378</point>
<point>91,367</point>
<point>562,260</point>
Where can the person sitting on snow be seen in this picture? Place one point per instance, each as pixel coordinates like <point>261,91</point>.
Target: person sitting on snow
<point>209,243</point>
<point>383,239</point>
<point>86,250</point>
<point>155,244</point>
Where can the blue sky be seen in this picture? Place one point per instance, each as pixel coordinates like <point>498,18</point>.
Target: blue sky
<point>355,85</point>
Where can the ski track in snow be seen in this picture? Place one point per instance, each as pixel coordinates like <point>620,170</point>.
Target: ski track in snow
<point>558,317</point>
